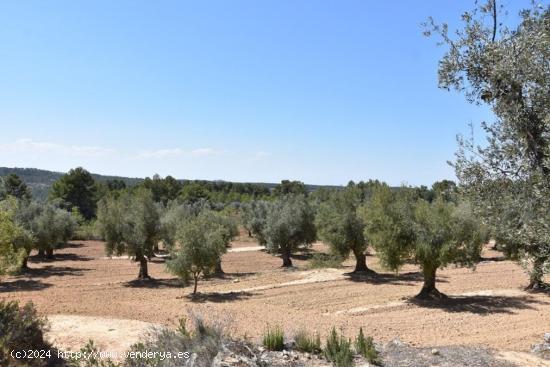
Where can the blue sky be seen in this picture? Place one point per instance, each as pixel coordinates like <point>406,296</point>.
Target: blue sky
<point>318,91</point>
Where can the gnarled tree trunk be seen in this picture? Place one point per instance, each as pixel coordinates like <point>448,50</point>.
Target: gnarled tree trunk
<point>285,254</point>
<point>429,291</point>
<point>49,253</point>
<point>361,262</point>
<point>41,252</point>
<point>24,263</point>
<point>143,271</point>
<point>218,269</point>
<point>536,274</point>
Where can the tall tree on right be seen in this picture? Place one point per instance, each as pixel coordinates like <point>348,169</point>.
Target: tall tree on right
<point>508,179</point>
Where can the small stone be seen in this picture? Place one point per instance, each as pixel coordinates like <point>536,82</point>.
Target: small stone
<point>435,352</point>
<point>547,337</point>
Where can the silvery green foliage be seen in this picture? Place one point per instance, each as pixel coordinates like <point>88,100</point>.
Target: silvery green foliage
<point>172,217</point>
<point>201,242</point>
<point>289,225</point>
<point>508,178</point>
<point>129,223</point>
<point>340,226</point>
<point>255,218</point>
<point>48,225</point>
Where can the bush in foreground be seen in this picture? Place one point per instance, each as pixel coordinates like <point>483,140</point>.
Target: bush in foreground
<point>202,344</point>
<point>21,329</point>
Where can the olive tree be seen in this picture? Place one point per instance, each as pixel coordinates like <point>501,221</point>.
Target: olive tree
<point>289,225</point>
<point>130,224</point>
<point>14,239</point>
<point>254,219</point>
<point>201,240</point>
<point>445,233</point>
<point>340,226</point>
<point>508,179</point>
<point>49,226</point>
<point>402,227</point>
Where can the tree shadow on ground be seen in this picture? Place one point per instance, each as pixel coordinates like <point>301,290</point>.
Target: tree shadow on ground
<point>49,271</point>
<point>409,278</point>
<point>229,276</point>
<point>218,297</point>
<point>481,305</point>
<point>72,245</point>
<point>154,283</point>
<point>492,258</point>
<point>23,285</point>
<point>59,257</point>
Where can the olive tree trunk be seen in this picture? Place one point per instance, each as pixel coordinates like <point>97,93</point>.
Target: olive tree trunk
<point>536,274</point>
<point>218,269</point>
<point>429,291</point>
<point>143,271</point>
<point>285,254</point>
<point>49,253</point>
<point>360,262</point>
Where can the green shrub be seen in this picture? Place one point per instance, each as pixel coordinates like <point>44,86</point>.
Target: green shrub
<point>21,329</point>
<point>203,344</point>
<point>365,347</point>
<point>323,261</point>
<point>338,350</point>
<point>274,338</point>
<point>306,342</point>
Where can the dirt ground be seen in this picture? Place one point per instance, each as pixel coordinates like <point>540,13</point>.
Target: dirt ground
<point>87,295</point>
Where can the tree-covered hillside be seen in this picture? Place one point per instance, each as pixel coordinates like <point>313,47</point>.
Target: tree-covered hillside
<point>40,182</point>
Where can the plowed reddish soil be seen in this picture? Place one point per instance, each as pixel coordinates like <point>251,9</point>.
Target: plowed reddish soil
<point>487,307</point>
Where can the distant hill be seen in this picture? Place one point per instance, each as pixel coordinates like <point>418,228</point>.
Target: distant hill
<point>40,181</point>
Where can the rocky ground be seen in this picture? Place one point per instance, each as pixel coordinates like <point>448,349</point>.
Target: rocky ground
<point>392,354</point>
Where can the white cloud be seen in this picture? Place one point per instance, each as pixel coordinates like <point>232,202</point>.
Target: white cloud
<point>178,152</point>
<point>161,153</point>
<point>22,146</point>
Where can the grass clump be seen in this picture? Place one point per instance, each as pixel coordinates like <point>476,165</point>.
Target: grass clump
<point>365,347</point>
<point>338,350</point>
<point>202,344</point>
<point>274,338</point>
<point>308,343</point>
<point>323,261</point>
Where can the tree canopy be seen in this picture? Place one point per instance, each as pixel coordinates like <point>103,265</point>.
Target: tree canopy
<point>76,189</point>
<point>339,225</point>
<point>289,225</point>
<point>130,223</point>
<point>508,179</point>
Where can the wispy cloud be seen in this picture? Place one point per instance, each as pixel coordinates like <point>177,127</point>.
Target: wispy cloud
<point>30,146</point>
<point>178,152</point>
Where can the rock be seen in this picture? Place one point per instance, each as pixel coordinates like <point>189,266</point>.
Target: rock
<point>547,338</point>
<point>435,352</point>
